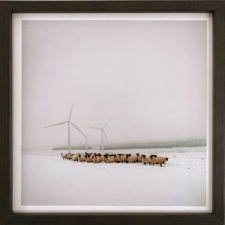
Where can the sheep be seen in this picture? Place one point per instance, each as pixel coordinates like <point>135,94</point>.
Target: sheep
<point>132,158</point>
<point>118,158</point>
<point>75,157</point>
<point>101,158</point>
<point>111,158</point>
<point>164,159</point>
<point>97,158</point>
<point>114,157</point>
<point>64,156</point>
<point>127,155</point>
<point>123,158</point>
<point>94,159</point>
<point>150,159</point>
<point>81,158</point>
<point>69,156</point>
<point>91,158</point>
<point>144,159</point>
<point>159,160</point>
<point>88,158</point>
<point>106,158</point>
<point>139,157</point>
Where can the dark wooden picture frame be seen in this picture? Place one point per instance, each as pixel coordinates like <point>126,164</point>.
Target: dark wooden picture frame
<point>7,8</point>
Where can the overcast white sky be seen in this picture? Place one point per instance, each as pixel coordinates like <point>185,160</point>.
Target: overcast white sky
<point>147,77</point>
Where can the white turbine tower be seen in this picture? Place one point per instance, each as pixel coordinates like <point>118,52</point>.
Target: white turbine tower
<point>69,123</point>
<point>103,132</point>
<point>87,135</point>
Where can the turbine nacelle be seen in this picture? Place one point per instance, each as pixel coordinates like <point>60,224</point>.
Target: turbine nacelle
<point>103,132</point>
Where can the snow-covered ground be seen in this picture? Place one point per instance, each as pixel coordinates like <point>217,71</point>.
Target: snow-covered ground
<point>47,179</point>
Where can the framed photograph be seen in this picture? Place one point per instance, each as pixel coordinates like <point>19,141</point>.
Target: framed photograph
<point>113,112</point>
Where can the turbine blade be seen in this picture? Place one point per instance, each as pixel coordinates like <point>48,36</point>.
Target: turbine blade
<point>56,124</point>
<point>92,137</point>
<point>106,124</point>
<point>105,136</point>
<point>71,110</point>
<point>79,137</point>
<point>95,128</point>
<point>78,129</point>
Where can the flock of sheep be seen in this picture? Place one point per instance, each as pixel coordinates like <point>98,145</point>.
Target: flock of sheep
<point>115,158</point>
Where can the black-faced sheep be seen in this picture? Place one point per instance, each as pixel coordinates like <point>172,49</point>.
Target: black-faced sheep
<point>150,159</point>
<point>132,158</point>
<point>139,157</point>
<point>106,158</point>
<point>69,156</point>
<point>88,158</point>
<point>127,155</point>
<point>97,158</point>
<point>111,158</point>
<point>64,155</point>
<point>144,159</point>
<point>81,158</point>
<point>159,160</point>
<point>123,158</point>
<point>118,158</point>
<point>75,157</point>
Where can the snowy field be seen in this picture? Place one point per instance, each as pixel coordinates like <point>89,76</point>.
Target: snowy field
<point>47,179</point>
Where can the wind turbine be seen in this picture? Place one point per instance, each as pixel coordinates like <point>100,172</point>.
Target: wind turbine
<point>86,139</point>
<point>103,132</point>
<point>69,123</point>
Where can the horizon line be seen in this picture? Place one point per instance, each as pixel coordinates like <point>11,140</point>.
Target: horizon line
<point>169,144</point>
